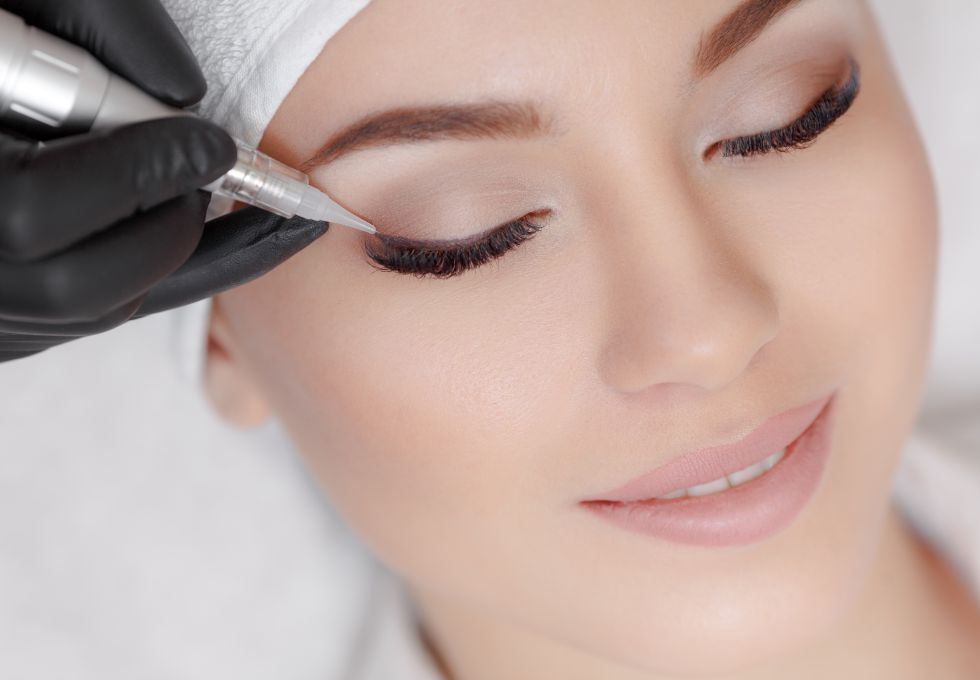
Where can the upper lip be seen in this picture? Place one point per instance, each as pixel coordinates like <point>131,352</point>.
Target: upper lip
<point>706,464</point>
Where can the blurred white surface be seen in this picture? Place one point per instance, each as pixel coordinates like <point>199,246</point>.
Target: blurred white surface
<point>133,549</point>
<point>934,45</point>
<point>130,548</point>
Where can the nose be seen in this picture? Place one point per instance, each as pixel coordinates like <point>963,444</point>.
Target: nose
<point>686,306</point>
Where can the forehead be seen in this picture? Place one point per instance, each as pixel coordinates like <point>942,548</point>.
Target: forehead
<point>410,51</point>
<point>581,59</point>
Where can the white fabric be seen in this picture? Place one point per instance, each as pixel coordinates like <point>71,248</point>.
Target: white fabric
<point>140,537</point>
<point>252,53</point>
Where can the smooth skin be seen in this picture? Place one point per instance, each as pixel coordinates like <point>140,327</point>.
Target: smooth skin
<point>670,302</point>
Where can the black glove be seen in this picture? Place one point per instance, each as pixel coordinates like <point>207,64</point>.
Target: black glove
<point>97,229</point>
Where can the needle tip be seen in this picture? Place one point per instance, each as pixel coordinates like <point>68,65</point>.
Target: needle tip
<point>317,205</point>
<point>358,223</point>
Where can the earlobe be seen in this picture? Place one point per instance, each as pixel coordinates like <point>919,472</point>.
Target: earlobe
<point>228,383</point>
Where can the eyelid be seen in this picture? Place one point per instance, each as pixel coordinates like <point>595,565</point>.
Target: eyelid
<point>404,256</point>
<point>443,245</point>
<point>832,103</point>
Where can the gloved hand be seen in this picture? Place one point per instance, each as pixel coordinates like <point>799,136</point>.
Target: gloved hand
<point>101,228</point>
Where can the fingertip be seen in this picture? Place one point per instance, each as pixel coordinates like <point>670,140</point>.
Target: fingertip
<point>178,155</point>
<point>297,233</point>
<point>186,91</point>
<point>214,152</point>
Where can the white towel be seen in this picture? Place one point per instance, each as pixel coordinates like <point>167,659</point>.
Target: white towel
<point>252,53</point>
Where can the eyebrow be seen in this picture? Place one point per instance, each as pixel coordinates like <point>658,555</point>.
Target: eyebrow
<point>735,31</point>
<point>496,120</point>
<point>491,120</point>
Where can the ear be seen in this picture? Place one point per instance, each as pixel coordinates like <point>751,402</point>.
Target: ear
<point>228,383</point>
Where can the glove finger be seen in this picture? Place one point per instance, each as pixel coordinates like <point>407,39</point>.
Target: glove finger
<point>24,333</point>
<point>59,193</point>
<point>234,249</point>
<point>26,346</point>
<point>105,271</point>
<point>11,355</point>
<point>15,135</point>
<point>20,346</point>
<point>136,39</point>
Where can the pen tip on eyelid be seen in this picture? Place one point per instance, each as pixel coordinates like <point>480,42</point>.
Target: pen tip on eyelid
<point>355,222</point>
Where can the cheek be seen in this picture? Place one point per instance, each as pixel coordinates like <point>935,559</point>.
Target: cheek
<point>855,257</point>
<point>872,277</point>
<point>424,400</point>
<point>884,285</point>
<point>851,251</point>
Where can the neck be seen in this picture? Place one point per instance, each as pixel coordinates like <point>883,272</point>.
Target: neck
<point>914,619</point>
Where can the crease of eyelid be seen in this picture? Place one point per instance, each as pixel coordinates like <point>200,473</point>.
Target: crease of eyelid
<point>401,207</point>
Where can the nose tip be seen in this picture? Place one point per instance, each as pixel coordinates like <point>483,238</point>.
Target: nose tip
<point>705,347</point>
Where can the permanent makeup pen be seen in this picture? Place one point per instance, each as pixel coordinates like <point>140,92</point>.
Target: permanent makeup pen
<point>57,88</point>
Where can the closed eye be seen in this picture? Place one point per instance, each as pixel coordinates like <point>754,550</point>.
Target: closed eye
<point>448,258</point>
<point>802,132</point>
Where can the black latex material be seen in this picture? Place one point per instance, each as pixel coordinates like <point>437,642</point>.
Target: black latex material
<point>134,38</point>
<point>235,249</point>
<point>101,228</point>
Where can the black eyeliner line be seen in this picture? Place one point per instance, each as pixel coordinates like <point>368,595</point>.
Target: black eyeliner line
<point>444,245</point>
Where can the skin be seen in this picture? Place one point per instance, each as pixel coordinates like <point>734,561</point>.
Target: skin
<point>671,302</point>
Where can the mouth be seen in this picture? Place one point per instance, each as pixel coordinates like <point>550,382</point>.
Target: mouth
<point>717,468</point>
<point>729,494</point>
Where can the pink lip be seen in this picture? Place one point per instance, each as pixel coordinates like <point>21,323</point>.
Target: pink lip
<point>743,514</point>
<point>704,465</point>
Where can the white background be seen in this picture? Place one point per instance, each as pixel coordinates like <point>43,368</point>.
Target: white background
<point>133,548</point>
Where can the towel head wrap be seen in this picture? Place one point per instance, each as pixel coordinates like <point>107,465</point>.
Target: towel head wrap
<point>252,53</point>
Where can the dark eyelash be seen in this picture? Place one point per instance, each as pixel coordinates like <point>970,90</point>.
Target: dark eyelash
<point>449,258</point>
<point>804,131</point>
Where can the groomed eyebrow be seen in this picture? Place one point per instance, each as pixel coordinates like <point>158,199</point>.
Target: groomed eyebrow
<point>735,31</point>
<point>495,120</point>
<point>491,120</point>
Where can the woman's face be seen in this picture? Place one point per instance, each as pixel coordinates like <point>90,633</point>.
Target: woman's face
<point>673,298</point>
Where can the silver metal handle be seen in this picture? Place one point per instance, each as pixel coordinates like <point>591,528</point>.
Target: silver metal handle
<point>47,84</point>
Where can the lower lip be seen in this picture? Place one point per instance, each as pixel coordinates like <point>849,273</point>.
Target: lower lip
<point>741,515</point>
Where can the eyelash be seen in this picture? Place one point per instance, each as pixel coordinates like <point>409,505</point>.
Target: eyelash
<point>444,260</point>
<point>395,254</point>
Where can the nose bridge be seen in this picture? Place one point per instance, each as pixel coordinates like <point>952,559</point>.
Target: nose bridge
<point>685,305</point>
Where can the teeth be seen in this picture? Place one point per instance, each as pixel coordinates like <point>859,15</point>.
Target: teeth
<point>720,484</point>
<point>730,480</point>
<point>749,473</point>
<point>674,494</point>
<point>773,459</point>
